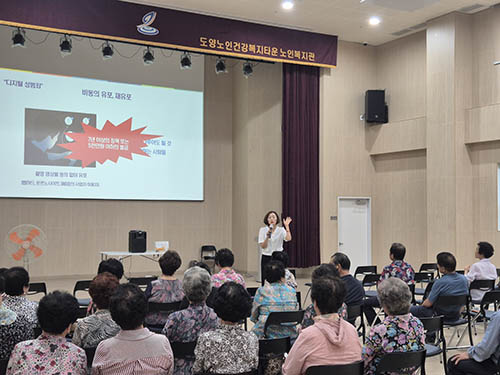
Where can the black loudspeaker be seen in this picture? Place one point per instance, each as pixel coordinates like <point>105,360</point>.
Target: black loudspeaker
<point>136,241</point>
<point>376,110</point>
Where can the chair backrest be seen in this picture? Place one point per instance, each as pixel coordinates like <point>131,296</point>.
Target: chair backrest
<point>370,279</point>
<point>461,272</point>
<point>183,350</point>
<point>397,362</point>
<point>430,267</point>
<point>281,317</point>
<point>252,290</point>
<point>142,281</point>
<point>82,312</point>
<point>154,307</point>
<point>433,323</point>
<point>274,347</point>
<point>355,368</point>
<point>299,299</point>
<point>424,277</point>
<point>36,288</point>
<point>208,250</point>
<point>492,296</point>
<point>354,311</point>
<point>90,352</point>
<point>448,301</point>
<point>81,285</point>
<point>365,270</point>
<point>482,285</point>
<point>3,365</point>
<point>428,289</point>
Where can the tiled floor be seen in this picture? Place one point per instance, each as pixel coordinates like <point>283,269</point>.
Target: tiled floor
<point>433,365</point>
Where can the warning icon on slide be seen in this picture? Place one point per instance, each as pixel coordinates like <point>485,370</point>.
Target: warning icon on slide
<point>45,131</point>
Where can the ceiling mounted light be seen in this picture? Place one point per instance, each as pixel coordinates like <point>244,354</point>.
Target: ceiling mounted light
<point>287,4</point>
<point>18,38</point>
<point>148,56</point>
<point>65,45</point>
<point>185,61</point>
<point>107,51</point>
<point>247,69</point>
<point>220,66</point>
<point>374,21</point>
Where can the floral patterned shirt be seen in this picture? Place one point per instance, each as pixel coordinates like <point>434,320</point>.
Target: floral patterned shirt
<point>270,298</point>
<point>90,331</point>
<point>401,333</point>
<point>163,291</point>
<point>13,329</point>
<point>22,307</point>
<point>185,326</point>
<point>227,350</point>
<point>47,354</point>
<point>399,269</point>
<point>227,275</point>
<point>310,314</point>
<point>290,279</point>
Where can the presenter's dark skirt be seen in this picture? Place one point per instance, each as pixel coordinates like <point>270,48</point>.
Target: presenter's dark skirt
<point>263,261</point>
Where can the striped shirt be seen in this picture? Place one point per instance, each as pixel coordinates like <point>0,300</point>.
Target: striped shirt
<point>134,352</point>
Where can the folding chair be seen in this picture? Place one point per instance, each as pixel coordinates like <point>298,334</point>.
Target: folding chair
<point>355,368</point>
<point>3,365</point>
<point>369,281</point>
<point>36,288</point>
<point>422,278</point>
<point>482,285</point>
<point>183,350</point>
<point>90,353</point>
<point>142,282</point>
<point>489,298</point>
<point>430,267</point>
<point>400,362</point>
<point>459,302</point>
<point>158,307</point>
<point>208,255</point>
<point>82,286</point>
<point>272,349</point>
<point>299,300</point>
<point>365,270</point>
<point>436,324</point>
<point>426,293</point>
<point>283,317</point>
<point>353,312</point>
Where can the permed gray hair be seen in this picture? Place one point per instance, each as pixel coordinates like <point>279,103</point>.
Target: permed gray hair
<point>394,296</point>
<point>196,284</point>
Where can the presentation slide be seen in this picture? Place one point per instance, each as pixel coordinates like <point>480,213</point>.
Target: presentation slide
<point>69,137</point>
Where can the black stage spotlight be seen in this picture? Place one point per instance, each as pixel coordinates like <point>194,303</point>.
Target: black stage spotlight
<point>185,61</point>
<point>247,69</point>
<point>220,66</point>
<point>148,56</point>
<point>107,51</point>
<point>18,38</point>
<point>65,45</point>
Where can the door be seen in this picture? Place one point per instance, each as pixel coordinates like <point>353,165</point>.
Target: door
<point>354,230</point>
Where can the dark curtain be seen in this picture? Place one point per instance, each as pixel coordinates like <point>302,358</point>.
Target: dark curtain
<point>301,162</point>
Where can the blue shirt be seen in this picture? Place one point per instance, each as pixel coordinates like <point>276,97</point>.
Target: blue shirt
<point>489,347</point>
<point>450,284</point>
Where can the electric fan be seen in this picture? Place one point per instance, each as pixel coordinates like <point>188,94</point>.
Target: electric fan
<point>25,243</point>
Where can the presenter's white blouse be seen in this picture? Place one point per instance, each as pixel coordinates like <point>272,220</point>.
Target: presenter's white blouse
<point>275,243</point>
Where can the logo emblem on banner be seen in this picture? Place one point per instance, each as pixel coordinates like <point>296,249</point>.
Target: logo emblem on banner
<point>146,27</point>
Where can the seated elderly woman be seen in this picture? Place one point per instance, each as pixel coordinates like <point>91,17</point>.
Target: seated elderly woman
<point>186,325</point>
<point>331,340</point>
<point>90,331</point>
<point>167,288</point>
<point>50,353</point>
<point>224,259</point>
<point>399,332</point>
<point>324,270</point>
<point>282,257</point>
<point>228,349</point>
<point>13,328</point>
<point>17,283</point>
<point>275,295</point>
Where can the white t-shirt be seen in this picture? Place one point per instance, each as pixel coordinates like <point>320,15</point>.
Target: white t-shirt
<point>482,270</point>
<point>275,243</point>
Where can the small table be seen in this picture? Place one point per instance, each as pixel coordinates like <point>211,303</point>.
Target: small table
<point>151,255</point>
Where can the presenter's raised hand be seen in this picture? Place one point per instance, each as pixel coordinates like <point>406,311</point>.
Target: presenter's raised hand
<point>287,221</point>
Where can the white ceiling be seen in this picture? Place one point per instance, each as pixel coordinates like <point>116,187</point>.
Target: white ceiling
<point>346,18</point>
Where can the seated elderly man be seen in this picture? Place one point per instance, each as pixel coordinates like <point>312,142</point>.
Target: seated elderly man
<point>229,349</point>
<point>167,288</point>
<point>13,329</point>
<point>134,350</point>
<point>17,284</point>
<point>186,325</point>
<point>483,358</point>
<point>399,332</point>
<point>275,295</point>
<point>90,331</point>
<point>51,353</point>
<point>331,340</point>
